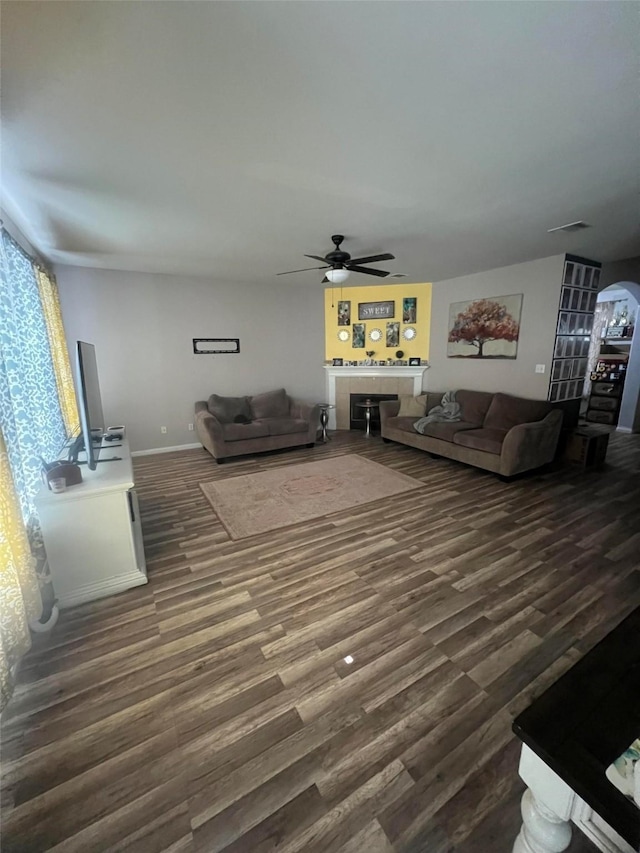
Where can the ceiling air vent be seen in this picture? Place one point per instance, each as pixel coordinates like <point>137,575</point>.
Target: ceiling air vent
<point>570,227</point>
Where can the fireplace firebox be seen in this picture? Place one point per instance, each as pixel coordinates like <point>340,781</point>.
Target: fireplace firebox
<point>357,413</point>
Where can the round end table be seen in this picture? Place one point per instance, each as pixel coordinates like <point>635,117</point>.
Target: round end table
<point>324,419</point>
<point>368,406</point>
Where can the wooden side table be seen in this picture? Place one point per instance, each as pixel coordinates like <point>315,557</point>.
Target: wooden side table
<point>587,447</point>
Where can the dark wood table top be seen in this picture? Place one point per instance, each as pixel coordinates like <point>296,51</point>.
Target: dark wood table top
<point>588,718</point>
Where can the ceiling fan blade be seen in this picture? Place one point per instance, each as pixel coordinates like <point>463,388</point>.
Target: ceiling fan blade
<point>306,269</point>
<point>368,271</point>
<point>372,259</point>
<point>317,258</point>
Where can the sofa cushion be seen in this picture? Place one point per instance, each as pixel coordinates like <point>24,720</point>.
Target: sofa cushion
<point>474,405</point>
<point>405,424</point>
<point>271,404</point>
<point>241,432</point>
<point>411,406</point>
<point>489,440</point>
<point>225,409</point>
<point>506,411</point>
<point>446,431</point>
<point>434,398</point>
<point>286,426</point>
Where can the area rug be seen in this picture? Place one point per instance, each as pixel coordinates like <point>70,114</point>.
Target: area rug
<point>255,503</point>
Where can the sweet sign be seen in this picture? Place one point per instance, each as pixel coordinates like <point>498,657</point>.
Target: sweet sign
<point>375,310</point>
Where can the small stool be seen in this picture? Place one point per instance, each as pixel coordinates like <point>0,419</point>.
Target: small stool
<point>368,406</point>
<point>324,419</point>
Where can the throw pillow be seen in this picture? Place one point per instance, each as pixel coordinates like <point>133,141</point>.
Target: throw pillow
<point>226,409</point>
<point>412,407</point>
<point>241,419</point>
<point>271,404</point>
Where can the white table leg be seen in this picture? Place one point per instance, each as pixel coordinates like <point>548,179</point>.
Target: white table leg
<point>542,830</point>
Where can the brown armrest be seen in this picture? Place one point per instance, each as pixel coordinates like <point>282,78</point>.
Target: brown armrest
<point>308,412</point>
<point>303,410</point>
<point>388,409</point>
<point>531,445</point>
<point>209,430</point>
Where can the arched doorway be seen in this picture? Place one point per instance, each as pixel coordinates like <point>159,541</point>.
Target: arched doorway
<point>617,316</point>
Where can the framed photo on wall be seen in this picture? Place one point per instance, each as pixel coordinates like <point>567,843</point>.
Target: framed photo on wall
<point>358,334</point>
<point>344,313</point>
<point>393,334</point>
<point>376,310</point>
<point>409,309</point>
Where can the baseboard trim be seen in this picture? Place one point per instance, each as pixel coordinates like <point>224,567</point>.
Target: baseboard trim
<point>166,449</point>
<point>101,589</point>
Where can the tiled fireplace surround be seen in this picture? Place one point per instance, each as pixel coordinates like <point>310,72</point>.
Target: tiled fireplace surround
<point>343,381</point>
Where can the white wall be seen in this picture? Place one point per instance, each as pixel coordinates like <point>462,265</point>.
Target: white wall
<point>143,324</point>
<point>539,282</point>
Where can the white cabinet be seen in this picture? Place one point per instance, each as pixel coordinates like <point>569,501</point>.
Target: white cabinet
<point>548,807</point>
<point>92,531</point>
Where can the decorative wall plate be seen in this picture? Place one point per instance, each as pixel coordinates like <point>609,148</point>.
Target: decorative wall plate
<point>409,333</point>
<point>375,335</point>
<point>343,335</point>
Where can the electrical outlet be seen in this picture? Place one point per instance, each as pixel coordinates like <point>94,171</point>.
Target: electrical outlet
<point>540,368</point>
<point>190,427</point>
<point>163,430</point>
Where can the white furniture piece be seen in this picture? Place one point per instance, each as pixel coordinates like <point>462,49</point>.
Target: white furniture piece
<point>92,531</point>
<point>549,806</point>
<point>571,734</point>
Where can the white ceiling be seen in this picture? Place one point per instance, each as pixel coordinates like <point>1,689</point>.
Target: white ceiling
<point>230,138</point>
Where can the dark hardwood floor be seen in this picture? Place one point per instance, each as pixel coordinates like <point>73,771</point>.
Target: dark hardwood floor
<point>212,710</point>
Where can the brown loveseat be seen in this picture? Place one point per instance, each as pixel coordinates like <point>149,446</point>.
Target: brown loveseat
<point>498,432</point>
<point>233,426</point>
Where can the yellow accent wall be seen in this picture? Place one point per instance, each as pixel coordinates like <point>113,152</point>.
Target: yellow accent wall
<point>417,348</point>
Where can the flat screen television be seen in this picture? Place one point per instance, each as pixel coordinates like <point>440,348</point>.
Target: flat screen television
<point>92,424</point>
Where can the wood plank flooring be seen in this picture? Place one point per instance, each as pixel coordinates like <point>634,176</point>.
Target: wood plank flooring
<point>213,709</point>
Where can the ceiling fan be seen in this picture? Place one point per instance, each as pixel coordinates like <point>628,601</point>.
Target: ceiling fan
<point>339,263</point>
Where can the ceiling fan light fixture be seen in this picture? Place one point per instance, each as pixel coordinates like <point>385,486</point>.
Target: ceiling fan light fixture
<point>337,276</point>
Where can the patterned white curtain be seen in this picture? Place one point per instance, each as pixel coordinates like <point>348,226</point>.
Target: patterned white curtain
<point>32,428</point>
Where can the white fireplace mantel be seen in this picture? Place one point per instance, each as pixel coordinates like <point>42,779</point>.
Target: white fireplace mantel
<point>414,373</point>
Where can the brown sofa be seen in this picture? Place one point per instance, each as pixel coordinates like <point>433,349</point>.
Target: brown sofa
<point>497,432</point>
<point>234,426</point>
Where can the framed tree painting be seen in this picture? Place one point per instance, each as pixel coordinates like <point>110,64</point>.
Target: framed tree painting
<point>485,328</point>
